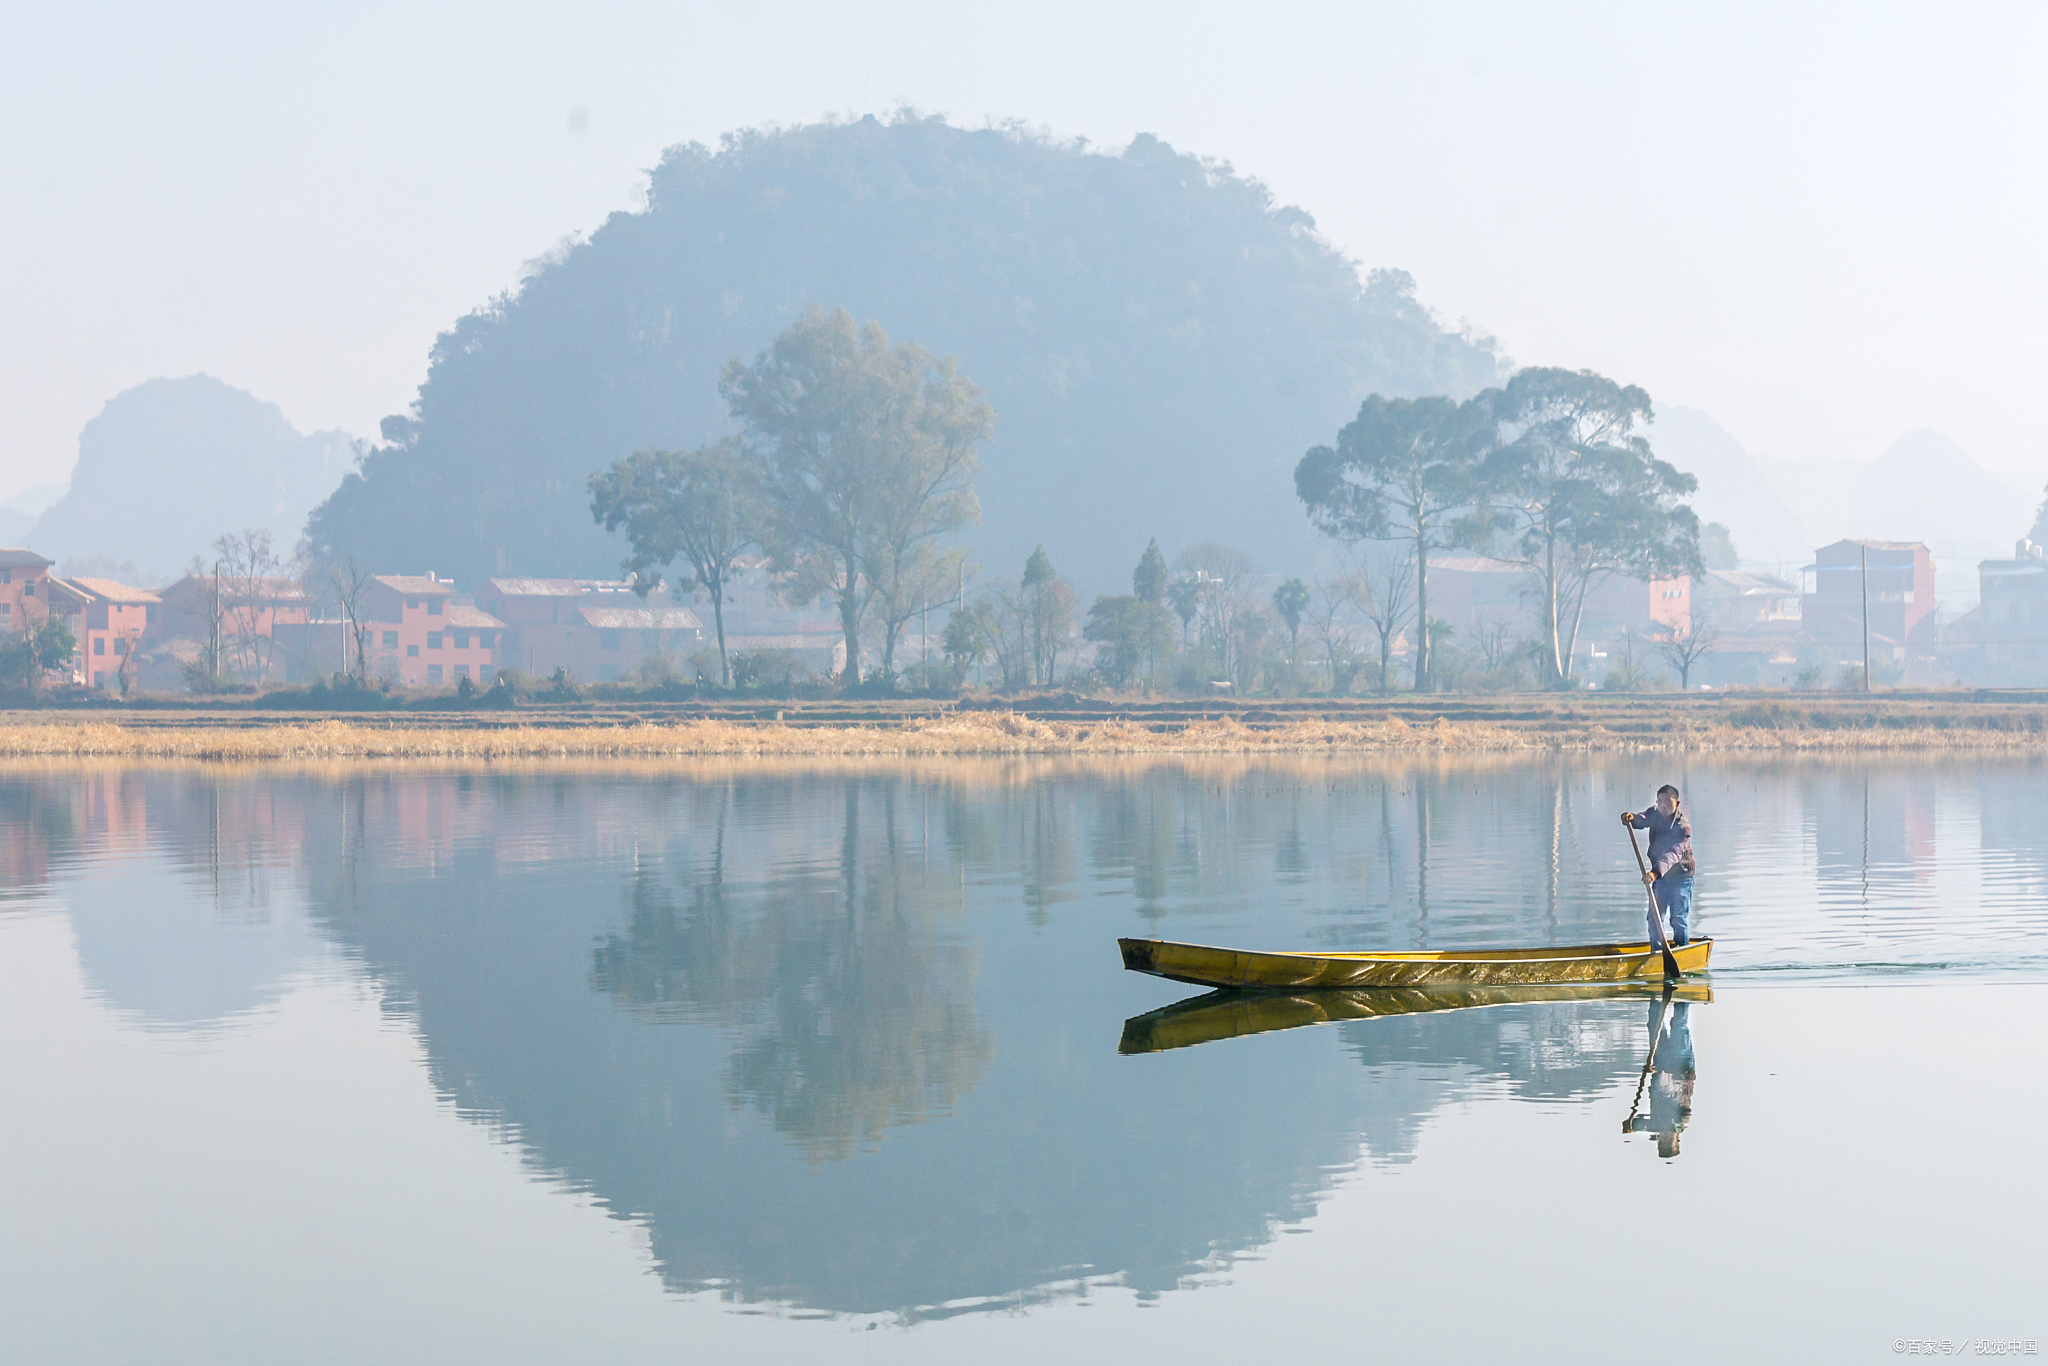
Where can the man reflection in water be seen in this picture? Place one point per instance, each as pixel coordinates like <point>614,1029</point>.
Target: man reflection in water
<point>1670,875</point>
<point>1671,1083</point>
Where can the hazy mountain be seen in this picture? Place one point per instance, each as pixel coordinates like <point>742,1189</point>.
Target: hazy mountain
<point>18,514</point>
<point>1160,340</point>
<point>1924,487</point>
<point>172,464</point>
<point>1733,488</point>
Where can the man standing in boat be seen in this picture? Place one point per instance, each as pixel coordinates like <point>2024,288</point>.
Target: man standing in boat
<point>1671,865</point>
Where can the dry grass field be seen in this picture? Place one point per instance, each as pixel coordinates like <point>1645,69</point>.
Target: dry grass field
<point>1445,725</point>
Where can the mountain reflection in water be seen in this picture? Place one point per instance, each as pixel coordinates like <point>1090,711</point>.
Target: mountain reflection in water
<point>837,1037</point>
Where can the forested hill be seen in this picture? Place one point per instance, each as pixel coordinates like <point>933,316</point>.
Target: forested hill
<point>1160,341</point>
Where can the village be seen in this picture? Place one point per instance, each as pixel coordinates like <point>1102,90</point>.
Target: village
<point>1860,604</point>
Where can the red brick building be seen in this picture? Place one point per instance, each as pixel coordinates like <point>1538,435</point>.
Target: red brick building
<point>421,637</point>
<point>111,620</point>
<point>24,591</point>
<point>597,629</point>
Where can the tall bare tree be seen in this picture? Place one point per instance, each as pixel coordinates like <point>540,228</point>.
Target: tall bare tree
<point>253,579</point>
<point>350,584</point>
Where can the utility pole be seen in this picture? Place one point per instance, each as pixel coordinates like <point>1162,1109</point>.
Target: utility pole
<point>213,661</point>
<point>1864,552</point>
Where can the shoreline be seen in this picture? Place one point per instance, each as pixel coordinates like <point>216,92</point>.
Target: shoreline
<point>1643,728</point>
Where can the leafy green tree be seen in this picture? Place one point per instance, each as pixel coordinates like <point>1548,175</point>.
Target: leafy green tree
<point>31,653</point>
<point>1185,596</point>
<point>1047,614</point>
<point>969,637</point>
<point>1130,630</point>
<point>1717,547</point>
<point>1148,580</point>
<point>699,506</point>
<point>1405,469</point>
<point>1575,495</point>
<point>863,452</point>
<point>1290,600</point>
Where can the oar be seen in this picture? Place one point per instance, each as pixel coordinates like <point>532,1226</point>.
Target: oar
<point>1628,1126</point>
<point>1656,916</point>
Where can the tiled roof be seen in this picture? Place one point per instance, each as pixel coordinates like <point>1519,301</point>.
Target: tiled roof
<point>18,558</point>
<point>470,618</point>
<point>561,588</point>
<point>640,618</point>
<point>106,590</point>
<point>416,584</point>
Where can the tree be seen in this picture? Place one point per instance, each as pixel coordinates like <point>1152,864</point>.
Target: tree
<point>864,451</point>
<point>1388,589</point>
<point>349,584</point>
<point>1290,600</point>
<point>1185,594</point>
<point>699,506</point>
<point>1221,576</point>
<point>969,636</point>
<point>906,590</point>
<point>1046,611</point>
<point>1575,495</point>
<point>1148,580</point>
<point>34,651</point>
<point>1403,470</point>
<point>1717,547</point>
<point>1336,601</point>
<point>252,578</point>
<point>1130,630</point>
<point>1686,645</point>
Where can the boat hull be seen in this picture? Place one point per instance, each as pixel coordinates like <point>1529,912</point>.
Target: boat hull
<point>1205,966</point>
<point>1231,1014</point>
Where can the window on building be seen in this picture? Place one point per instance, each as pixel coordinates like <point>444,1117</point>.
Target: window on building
<point>6,611</point>
<point>391,640</point>
<point>607,640</point>
<point>120,646</point>
<point>462,640</point>
<point>412,652</point>
<point>28,590</point>
<point>462,670</point>
<point>486,673</point>
<point>6,576</point>
<point>433,607</point>
<point>433,640</point>
<point>433,673</point>
<point>99,645</point>
<point>412,604</point>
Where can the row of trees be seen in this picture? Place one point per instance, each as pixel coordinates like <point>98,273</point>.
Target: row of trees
<point>855,458</point>
<point>1548,472</point>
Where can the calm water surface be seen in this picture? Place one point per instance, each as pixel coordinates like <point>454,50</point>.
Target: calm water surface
<point>822,1063</point>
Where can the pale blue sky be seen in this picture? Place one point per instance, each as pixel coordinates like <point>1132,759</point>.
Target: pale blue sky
<point>1822,224</point>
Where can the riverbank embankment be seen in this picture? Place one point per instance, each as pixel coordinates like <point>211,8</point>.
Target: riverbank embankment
<point>1818,723</point>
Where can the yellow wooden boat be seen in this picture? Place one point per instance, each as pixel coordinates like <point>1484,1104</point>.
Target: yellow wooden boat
<point>1213,967</point>
<point>1232,1014</point>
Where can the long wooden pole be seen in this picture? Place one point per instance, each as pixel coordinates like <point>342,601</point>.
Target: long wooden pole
<point>1656,916</point>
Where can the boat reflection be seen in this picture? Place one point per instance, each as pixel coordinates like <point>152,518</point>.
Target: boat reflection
<point>1232,1014</point>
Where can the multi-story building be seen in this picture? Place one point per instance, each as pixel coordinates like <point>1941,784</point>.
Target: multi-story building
<point>1896,581</point>
<point>24,591</point>
<point>597,629</point>
<point>109,619</point>
<point>422,637</point>
<point>1478,596</point>
<point>2010,627</point>
<point>246,614</point>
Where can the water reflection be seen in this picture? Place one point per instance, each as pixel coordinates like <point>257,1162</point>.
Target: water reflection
<point>1232,1014</point>
<point>1669,1071</point>
<point>836,1037</point>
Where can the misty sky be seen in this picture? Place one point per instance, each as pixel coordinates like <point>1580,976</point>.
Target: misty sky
<point>1820,224</point>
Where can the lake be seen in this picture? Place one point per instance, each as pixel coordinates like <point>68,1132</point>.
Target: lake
<point>752,1060</point>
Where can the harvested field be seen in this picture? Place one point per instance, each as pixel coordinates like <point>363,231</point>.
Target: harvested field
<point>1937,722</point>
